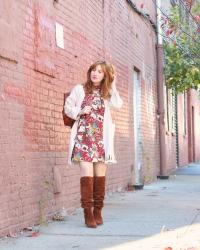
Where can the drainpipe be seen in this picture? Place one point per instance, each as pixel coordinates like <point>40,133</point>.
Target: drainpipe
<point>161,96</point>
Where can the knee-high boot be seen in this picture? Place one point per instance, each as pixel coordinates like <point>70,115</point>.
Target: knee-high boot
<point>99,193</point>
<point>86,185</point>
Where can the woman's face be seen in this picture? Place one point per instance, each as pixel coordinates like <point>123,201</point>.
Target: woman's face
<point>97,75</point>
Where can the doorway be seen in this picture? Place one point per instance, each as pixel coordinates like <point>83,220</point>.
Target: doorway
<point>137,127</point>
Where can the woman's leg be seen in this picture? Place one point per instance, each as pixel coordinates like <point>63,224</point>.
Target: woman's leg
<point>99,190</point>
<point>100,169</point>
<point>86,169</point>
<point>86,190</point>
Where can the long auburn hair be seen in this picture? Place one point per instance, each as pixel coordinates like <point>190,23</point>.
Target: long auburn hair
<point>106,83</point>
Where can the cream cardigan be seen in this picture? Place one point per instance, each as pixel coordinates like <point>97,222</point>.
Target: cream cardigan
<point>72,109</point>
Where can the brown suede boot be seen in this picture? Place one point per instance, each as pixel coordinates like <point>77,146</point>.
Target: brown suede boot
<point>86,184</point>
<point>99,193</point>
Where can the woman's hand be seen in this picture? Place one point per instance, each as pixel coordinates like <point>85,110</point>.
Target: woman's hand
<point>86,110</point>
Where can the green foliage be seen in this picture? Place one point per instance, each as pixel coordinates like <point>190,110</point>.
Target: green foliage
<point>182,53</point>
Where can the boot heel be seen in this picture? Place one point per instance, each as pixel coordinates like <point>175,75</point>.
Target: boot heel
<point>89,218</point>
<point>97,216</point>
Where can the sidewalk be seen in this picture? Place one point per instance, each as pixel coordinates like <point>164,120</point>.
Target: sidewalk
<point>164,214</point>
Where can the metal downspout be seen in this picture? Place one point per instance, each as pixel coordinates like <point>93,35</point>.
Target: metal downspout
<point>161,96</point>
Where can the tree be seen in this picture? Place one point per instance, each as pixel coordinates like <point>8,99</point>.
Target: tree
<point>182,48</point>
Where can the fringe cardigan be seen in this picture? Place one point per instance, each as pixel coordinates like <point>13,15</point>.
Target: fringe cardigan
<point>72,109</point>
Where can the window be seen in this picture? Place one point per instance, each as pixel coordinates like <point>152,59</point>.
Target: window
<point>167,109</point>
<point>170,107</point>
<point>173,111</point>
<point>185,112</point>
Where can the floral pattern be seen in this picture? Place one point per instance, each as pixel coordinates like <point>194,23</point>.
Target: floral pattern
<point>89,139</point>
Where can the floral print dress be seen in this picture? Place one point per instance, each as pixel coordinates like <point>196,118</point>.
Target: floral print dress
<point>89,139</point>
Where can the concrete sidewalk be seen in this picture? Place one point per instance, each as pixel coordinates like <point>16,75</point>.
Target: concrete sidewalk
<point>164,214</point>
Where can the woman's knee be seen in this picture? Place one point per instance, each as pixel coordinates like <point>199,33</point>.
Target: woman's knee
<point>100,169</point>
<point>86,169</point>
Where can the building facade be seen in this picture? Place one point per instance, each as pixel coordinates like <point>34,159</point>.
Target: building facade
<point>182,114</point>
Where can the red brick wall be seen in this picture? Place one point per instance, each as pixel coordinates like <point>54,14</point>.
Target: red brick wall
<point>183,133</point>
<point>193,101</point>
<point>34,75</point>
<point>170,151</point>
<point>150,130</point>
<point>170,137</point>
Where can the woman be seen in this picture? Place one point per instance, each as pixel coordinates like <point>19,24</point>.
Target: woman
<point>92,135</point>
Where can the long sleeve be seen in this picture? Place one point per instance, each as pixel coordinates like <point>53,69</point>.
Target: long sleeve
<point>115,100</point>
<point>72,109</point>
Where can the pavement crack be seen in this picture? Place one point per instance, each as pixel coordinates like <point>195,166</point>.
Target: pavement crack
<point>190,225</point>
<point>195,217</point>
<point>98,235</point>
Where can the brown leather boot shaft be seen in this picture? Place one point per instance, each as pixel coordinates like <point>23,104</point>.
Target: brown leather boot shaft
<point>86,186</point>
<point>99,194</point>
